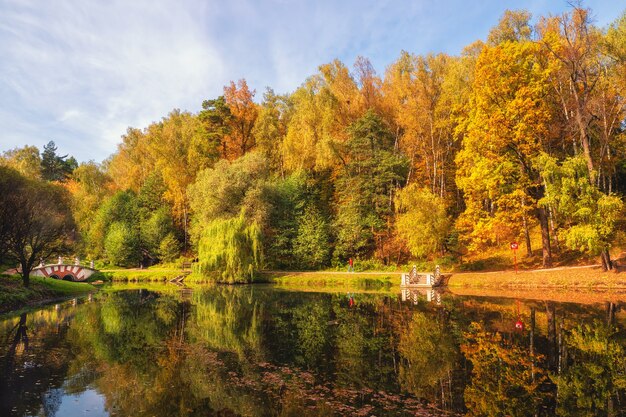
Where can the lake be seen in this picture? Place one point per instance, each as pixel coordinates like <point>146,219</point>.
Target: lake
<point>264,351</point>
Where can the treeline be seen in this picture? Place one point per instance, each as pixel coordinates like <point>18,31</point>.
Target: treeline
<point>442,155</point>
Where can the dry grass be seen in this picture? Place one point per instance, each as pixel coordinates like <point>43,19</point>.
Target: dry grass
<point>573,277</point>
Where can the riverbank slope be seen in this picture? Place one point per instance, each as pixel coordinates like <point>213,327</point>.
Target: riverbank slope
<point>13,294</point>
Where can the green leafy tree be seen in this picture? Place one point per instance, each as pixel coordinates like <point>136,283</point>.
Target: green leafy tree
<point>365,187</point>
<point>311,246</point>
<point>55,167</point>
<point>422,220</point>
<point>155,227</point>
<point>169,248</point>
<point>89,186</point>
<point>25,160</point>
<point>216,120</point>
<point>223,191</point>
<point>588,216</point>
<point>121,245</point>
<point>150,196</point>
<point>121,208</point>
<point>286,198</point>
<point>36,220</point>
<point>230,250</point>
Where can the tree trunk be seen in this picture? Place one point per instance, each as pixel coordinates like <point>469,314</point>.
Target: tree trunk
<point>605,256</point>
<point>610,313</point>
<point>585,143</point>
<point>582,131</point>
<point>542,216</point>
<point>25,273</point>
<point>553,230</point>
<point>529,249</point>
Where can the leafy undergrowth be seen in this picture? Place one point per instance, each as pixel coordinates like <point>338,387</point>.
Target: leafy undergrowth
<point>13,294</point>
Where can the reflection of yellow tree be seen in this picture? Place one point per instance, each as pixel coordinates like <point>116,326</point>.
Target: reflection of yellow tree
<point>429,355</point>
<point>597,373</point>
<point>505,378</point>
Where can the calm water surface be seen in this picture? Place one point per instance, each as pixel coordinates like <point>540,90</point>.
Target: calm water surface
<point>258,351</point>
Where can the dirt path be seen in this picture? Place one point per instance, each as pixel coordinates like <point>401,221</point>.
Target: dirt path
<point>560,268</point>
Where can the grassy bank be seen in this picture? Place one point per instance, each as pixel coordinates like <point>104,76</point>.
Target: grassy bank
<point>137,275</point>
<point>13,294</point>
<point>566,277</point>
<point>338,280</point>
<point>582,278</point>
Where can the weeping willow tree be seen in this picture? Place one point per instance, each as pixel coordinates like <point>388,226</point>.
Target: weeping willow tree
<point>229,250</point>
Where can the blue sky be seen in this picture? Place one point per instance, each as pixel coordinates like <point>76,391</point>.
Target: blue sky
<point>81,72</point>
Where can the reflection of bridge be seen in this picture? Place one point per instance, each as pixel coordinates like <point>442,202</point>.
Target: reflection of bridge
<point>414,294</point>
<point>66,272</point>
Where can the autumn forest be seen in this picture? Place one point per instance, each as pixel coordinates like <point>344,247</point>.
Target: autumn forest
<point>521,137</point>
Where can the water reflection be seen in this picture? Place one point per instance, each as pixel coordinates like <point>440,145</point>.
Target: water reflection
<point>262,351</point>
<point>414,295</point>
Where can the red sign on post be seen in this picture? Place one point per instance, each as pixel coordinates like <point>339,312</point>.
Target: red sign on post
<point>514,247</point>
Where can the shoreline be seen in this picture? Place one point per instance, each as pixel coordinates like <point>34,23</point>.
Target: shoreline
<point>588,279</point>
<point>15,297</point>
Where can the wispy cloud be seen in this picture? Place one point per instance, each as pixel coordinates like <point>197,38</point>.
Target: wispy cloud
<point>81,72</point>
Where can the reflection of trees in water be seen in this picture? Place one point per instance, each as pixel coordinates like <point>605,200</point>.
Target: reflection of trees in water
<point>250,351</point>
<point>592,378</point>
<point>19,343</point>
<point>222,363</point>
<point>574,364</point>
<point>16,340</point>
<point>34,360</point>
<point>505,379</point>
<point>430,356</point>
<point>316,330</point>
<point>227,319</point>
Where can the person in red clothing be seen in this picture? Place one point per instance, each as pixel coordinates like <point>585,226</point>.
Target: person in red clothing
<point>350,265</point>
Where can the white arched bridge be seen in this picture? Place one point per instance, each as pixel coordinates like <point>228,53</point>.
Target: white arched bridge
<point>66,272</point>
